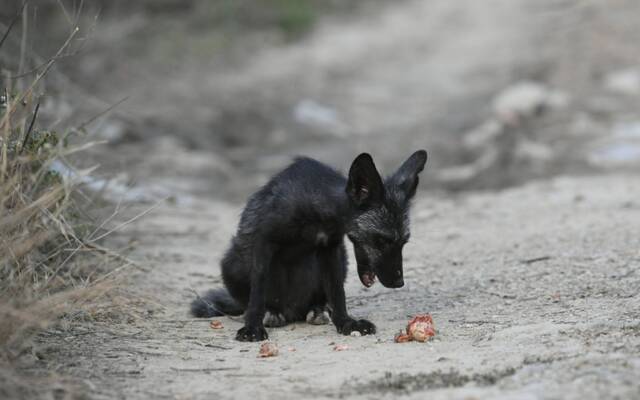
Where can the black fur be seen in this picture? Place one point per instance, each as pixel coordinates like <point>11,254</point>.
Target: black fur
<point>288,257</point>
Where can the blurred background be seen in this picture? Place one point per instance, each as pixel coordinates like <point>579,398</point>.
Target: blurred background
<point>200,97</point>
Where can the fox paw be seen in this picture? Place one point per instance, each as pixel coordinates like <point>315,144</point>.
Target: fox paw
<point>362,326</point>
<point>252,334</point>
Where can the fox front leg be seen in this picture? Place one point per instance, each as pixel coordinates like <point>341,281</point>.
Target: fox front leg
<point>253,329</point>
<point>334,266</point>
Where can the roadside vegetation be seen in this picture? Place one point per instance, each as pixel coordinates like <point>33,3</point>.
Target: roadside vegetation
<point>53,268</point>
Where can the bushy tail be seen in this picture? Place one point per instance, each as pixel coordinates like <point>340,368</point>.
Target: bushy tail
<point>215,303</point>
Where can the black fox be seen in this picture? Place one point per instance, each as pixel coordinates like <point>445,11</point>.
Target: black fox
<point>288,260</point>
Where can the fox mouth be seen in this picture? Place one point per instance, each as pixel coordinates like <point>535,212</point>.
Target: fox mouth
<point>368,278</point>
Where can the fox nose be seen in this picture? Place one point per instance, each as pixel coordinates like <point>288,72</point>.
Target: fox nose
<point>398,283</point>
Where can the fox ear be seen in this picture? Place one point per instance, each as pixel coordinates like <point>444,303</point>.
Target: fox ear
<point>365,185</point>
<point>406,177</point>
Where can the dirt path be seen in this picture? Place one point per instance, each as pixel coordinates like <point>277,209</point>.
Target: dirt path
<point>534,292</point>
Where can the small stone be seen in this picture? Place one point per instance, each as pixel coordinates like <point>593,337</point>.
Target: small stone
<point>215,324</point>
<point>268,349</point>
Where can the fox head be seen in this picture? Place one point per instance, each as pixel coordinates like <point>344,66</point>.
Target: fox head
<point>379,227</point>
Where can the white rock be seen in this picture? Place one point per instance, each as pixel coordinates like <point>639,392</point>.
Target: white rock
<point>525,99</point>
<point>520,99</point>
<point>312,113</point>
<point>626,81</point>
<point>116,189</point>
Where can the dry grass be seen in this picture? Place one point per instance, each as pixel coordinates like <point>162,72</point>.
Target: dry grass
<point>51,263</point>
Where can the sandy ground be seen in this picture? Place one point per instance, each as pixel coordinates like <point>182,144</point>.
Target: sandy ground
<point>534,291</point>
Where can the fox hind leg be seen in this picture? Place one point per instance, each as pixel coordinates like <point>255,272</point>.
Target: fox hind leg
<point>318,316</point>
<point>274,319</point>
